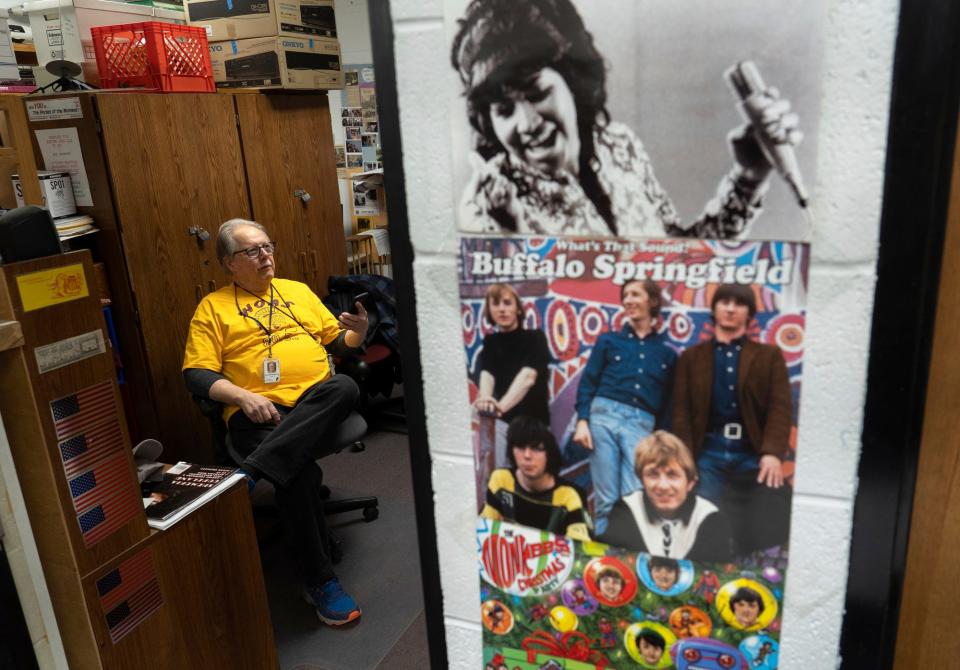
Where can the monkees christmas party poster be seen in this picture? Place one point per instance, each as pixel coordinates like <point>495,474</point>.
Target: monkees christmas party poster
<point>635,410</point>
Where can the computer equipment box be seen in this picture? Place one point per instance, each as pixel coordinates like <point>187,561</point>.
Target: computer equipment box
<point>277,62</point>
<point>245,19</point>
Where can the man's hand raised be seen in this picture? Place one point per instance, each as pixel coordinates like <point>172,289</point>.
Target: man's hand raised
<point>355,325</point>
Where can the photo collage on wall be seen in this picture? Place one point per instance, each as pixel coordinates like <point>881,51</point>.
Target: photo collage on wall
<point>360,151</point>
<point>634,337</point>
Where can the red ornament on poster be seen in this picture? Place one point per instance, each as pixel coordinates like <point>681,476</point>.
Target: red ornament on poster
<point>562,330</point>
<point>610,581</point>
<point>592,323</point>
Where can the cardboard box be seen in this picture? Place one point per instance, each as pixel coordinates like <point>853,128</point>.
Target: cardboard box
<point>8,61</point>
<point>61,29</point>
<point>57,191</point>
<point>246,19</point>
<point>277,62</point>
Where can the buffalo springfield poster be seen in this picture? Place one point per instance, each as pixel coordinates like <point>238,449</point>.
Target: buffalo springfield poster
<point>635,411</point>
<point>634,119</point>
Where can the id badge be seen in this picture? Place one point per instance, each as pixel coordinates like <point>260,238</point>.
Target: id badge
<point>271,371</point>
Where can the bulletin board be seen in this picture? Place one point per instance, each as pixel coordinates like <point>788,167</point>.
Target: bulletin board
<point>359,150</point>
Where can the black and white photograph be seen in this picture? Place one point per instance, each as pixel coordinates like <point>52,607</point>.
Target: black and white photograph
<point>364,200</point>
<point>650,119</point>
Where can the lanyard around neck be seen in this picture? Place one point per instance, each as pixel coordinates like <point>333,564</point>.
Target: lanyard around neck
<point>268,329</point>
<point>287,312</point>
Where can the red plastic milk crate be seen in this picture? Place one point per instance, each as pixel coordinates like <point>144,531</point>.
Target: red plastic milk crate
<point>163,56</point>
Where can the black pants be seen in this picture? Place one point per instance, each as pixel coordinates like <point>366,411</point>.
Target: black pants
<point>759,515</point>
<point>285,455</point>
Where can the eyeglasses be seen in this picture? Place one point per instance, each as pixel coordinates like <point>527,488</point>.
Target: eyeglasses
<point>254,252</point>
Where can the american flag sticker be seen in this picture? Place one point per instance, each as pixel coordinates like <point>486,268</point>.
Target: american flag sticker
<point>130,612</point>
<point>107,516</point>
<point>83,450</point>
<point>78,411</point>
<point>117,585</point>
<point>106,478</point>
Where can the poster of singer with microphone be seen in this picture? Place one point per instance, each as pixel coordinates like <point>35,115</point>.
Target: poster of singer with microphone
<point>554,96</point>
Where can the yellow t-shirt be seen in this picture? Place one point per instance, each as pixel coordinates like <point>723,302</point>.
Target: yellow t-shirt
<point>223,340</point>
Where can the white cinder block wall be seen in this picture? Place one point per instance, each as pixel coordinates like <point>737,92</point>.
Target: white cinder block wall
<point>858,58</point>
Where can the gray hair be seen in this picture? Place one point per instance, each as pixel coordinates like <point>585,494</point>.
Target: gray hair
<point>226,245</point>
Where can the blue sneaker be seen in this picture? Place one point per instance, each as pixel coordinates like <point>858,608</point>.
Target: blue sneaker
<point>334,606</point>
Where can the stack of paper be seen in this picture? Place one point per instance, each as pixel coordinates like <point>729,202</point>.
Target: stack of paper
<point>72,226</point>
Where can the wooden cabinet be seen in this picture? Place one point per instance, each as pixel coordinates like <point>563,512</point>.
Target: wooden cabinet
<point>163,167</point>
<point>297,164</point>
<point>174,164</point>
<point>124,596</point>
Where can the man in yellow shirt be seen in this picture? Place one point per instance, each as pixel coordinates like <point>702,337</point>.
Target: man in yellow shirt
<point>259,346</point>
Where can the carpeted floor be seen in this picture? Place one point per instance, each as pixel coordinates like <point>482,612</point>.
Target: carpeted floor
<point>381,569</point>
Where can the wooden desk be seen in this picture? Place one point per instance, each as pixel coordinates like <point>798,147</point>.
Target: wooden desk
<point>214,612</point>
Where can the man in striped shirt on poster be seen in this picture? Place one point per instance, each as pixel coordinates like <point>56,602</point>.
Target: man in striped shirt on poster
<point>531,492</point>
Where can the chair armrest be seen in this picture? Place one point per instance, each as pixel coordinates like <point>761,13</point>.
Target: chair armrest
<point>211,409</point>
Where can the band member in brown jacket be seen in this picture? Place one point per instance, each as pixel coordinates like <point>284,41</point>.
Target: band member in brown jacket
<point>732,406</point>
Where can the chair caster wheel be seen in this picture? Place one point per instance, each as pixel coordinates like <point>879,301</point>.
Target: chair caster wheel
<point>371,513</point>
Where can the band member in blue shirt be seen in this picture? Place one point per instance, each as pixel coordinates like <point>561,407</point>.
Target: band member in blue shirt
<point>622,391</point>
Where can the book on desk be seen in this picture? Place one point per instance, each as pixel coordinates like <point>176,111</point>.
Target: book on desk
<point>184,488</point>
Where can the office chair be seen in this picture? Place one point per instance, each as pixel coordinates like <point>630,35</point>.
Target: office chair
<point>376,371</point>
<point>349,435</point>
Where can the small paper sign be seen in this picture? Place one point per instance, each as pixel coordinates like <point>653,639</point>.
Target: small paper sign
<point>54,109</point>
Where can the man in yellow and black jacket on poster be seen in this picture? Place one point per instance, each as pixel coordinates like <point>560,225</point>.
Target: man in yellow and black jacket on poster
<point>531,492</point>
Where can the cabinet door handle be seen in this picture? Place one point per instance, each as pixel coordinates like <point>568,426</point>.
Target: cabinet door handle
<point>199,232</point>
<point>212,284</point>
<point>199,292</point>
<point>302,262</point>
<point>313,261</point>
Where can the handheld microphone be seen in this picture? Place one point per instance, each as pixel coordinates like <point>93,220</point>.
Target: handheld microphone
<point>748,87</point>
